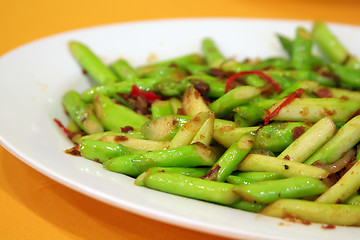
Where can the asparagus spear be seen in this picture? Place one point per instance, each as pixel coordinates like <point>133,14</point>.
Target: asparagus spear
<point>339,93</point>
<point>347,186</point>
<point>188,131</point>
<point>248,206</point>
<point>236,180</point>
<point>81,113</point>
<point>252,112</point>
<point>174,74</point>
<point>301,50</point>
<point>135,143</point>
<point>241,122</point>
<point>195,69</point>
<point>161,109</point>
<point>73,128</point>
<point>164,128</point>
<point>176,88</point>
<point>314,109</point>
<point>124,70</point>
<point>273,137</point>
<point>248,115</point>
<point>180,61</point>
<point>303,75</point>
<point>193,103</point>
<point>272,190</point>
<point>345,139</point>
<point>331,46</point>
<point>286,43</point>
<point>257,162</point>
<point>234,66</point>
<point>188,171</point>
<point>353,200</point>
<point>212,55</point>
<point>349,78</point>
<point>205,133</point>
<point>92,64</point>
<point>179,184</point>
<point>175,104</point>
<point>101,151</point>
<point>304,146</point>
<point>227,135</point>
<point>255,81</point>
<point>338,214</point>
<point>259,176</point>
<point>274,62</point>
<point>308,86</point>
<point>111,89</point>
<point>114,116</point>
<point>133,133</point>
<point>227,163</point>
<point>187,156</point>
<point>328,43</point>
<point>224,105</point>
<point>277,136</point>
<point>217,87</point>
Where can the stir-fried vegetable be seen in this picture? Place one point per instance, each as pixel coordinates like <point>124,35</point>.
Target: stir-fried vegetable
<point>277,136</point>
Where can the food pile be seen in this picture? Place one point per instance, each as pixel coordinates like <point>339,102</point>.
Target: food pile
<point>275,136</point>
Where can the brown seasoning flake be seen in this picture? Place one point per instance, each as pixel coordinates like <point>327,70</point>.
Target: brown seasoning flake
<point>121,138</point>
<point>292,218</point>
<point>323,93</point>
<point>181,111</point>
<point>73,151</point>
<point>328,226</point>
<point>200,144</point>
<point>327,112</point>
<point>226,129</point>
<point>304,111</point>
<point>127,129</point>
<point>297,132</point>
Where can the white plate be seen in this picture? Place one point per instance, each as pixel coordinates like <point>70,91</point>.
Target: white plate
<point>34,77</point>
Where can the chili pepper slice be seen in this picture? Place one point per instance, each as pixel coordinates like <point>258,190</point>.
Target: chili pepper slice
<point>258,73</point>
<point>269,115</point>
<point>62,127</point>
<point>149,96</point>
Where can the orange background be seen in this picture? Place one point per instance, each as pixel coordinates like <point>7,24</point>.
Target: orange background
<point>33,206</point>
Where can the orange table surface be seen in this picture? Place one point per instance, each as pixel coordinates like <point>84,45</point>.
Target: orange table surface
<point>32,206</point>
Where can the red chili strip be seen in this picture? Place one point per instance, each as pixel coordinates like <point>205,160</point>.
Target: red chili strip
<point>258,73</point>
<point>149,96</point>
<point>270,115</point>
<point>64,129</point>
